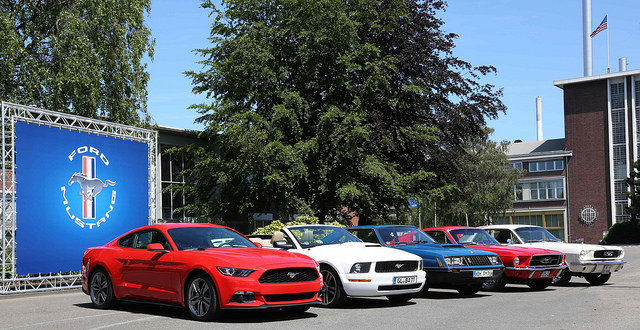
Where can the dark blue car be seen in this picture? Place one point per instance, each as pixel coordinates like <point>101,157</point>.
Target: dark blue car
<point>447,265</point>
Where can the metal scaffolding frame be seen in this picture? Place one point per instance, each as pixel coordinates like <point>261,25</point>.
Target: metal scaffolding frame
<point>11,282</point>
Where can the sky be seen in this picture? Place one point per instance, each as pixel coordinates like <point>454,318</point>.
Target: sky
<point>531,44</point>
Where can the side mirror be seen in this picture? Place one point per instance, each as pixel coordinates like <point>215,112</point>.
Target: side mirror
<point>282,245</point>
<point>157,247</point>
<point>509,241</point>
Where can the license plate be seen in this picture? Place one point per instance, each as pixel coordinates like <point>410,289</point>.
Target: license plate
<point>405,280</point>
<point>606,269</point>
<point>482,273</point>
<point>545,273</point>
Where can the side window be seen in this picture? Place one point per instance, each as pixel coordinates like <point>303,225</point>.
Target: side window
<point>127,241</point>
<point>143,239</point>
<point>366,235</point>
<point>502,235</point>
<point>439,236</point>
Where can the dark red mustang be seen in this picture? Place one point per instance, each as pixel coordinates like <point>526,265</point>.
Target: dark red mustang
<point>205,268</point>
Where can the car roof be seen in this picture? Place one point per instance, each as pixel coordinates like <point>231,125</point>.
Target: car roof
<point>380,226</point>
<point>508,226</point>
<point>450,228</point>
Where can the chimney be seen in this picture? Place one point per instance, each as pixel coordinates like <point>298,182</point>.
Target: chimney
<point>539,117</point>
<point>587,48</point>
<point>622,63</point>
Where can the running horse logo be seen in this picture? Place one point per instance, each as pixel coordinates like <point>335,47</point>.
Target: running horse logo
<point>89,188</point>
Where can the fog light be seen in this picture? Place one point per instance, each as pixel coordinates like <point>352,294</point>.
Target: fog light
<point>243,297</point>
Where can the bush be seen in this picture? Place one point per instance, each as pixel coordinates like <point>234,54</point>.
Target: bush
<point>623,233</point>
<point>276,225</point>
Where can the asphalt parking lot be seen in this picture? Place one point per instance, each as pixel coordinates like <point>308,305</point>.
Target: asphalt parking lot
<point>614,305</point>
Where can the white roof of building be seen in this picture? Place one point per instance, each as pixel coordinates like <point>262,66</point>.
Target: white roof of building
<point>551,148</point>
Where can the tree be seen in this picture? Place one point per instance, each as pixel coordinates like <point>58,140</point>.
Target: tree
<point>490,182</point>
<point>78,56</point>
<point>633,183</point>
<point>333,106</point>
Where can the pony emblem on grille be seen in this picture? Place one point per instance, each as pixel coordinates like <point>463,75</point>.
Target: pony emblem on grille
<point>292,274</point>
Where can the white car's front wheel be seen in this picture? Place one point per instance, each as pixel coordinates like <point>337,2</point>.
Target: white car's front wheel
<point>333,294</point>
<point>597,279</point>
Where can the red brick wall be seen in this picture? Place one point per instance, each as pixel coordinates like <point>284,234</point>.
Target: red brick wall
<point>586,134</point>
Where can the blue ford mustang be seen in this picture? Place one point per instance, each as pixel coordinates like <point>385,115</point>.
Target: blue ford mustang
<point>447,265</point>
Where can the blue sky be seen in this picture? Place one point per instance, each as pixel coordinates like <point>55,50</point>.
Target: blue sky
<point>531,43</point>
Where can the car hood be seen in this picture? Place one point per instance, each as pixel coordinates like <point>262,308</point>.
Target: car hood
<point>570,248</point>
<point>254,257</point>
<point>514,250</point>
<point>356,251</point>
<point>444,250</point>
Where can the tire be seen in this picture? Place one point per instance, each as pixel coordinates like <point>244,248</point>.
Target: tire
<point>540,284</point>
<point>563,278</point>
<point>400,298</point>
<point>333,294</point>
<point>101,290</point>
<point>495,285</point>
<point>201,299</point>
<point>597,279</point>
<point>469,290</point>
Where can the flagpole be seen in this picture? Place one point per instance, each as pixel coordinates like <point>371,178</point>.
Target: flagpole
<point>608,66</point>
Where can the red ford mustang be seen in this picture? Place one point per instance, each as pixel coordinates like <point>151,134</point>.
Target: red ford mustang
<point>203,267</point>
<point>535,267</point>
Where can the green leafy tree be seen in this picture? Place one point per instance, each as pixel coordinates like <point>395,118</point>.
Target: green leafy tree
<point>79,56</point>
<point>333,106</point>
<point>633,192</point>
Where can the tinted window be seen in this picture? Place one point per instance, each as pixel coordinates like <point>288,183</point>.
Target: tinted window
<point>439,236</point>
<point>366,235</point>
<point>127,241</point>
<point>200,238</point>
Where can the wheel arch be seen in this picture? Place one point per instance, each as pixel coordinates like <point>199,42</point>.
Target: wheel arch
<point>193,273</point>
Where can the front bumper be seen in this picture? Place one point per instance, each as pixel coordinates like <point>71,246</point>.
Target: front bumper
<point>457,277</point>
<point>533,273</point>
<point>380,284</point>
<point>600,267</point>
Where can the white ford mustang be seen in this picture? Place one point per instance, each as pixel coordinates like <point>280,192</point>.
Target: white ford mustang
<point>593,262</point>
<point>350,267</point>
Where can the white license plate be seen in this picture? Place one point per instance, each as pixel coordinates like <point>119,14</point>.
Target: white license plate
<point>606,269</point>
<point>482,273</point>
<point>545,273</point>
<point>405,280</point>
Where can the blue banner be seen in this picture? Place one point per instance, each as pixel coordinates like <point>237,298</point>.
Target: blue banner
<point>74,190</point>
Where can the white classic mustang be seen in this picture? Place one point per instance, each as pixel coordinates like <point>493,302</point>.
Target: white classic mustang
<point>593,262</point>
<point>350,267</point>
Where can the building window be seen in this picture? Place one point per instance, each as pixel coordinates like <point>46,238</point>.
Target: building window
<point>619,144</point>
<point>546,165</point>
<point>547,190</point>
<point>553,222</point>
<point>172,164</point>
<point>517,165</point>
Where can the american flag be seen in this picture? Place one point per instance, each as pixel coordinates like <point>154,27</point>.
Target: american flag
<point>601,27</point>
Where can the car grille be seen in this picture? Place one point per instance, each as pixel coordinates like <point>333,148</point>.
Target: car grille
<point>289,297</point>
<point>546,260</point>
<point>396,266</point>
<point>398,287</point>
<point>289,275</point>
<point>606,254</point>
<point>476,260</point>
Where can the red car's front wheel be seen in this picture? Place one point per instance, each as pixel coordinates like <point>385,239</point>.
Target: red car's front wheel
<point>202,301</point>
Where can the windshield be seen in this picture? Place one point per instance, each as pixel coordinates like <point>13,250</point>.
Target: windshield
<point>201,238</point>
<point>472,236</point>
<point>403,235</point>
<point>535,234</point>
<point>310,236</point>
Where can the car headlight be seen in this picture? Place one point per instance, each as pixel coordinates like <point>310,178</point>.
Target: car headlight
<point>516,261</point>
<point>360,267</point>
<point>584,254</point>
<point>495,260</point>
<point>453,261</point>
<point>235,272</point>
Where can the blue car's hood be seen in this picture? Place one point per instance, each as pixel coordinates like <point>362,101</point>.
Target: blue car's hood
<point>441,250</point>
